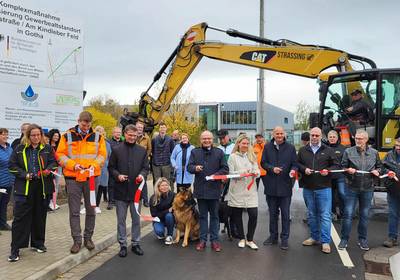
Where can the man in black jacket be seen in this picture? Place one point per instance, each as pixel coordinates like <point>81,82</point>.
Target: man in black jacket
<point>338,179</point>
<point>205,161</point>
<point>128,161</point>
<point>279,160</point>
<point>362,164</point>
<point>392,163</point>
<point>314,162</point>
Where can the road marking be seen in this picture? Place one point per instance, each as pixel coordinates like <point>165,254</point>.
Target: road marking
<point>343,254</point>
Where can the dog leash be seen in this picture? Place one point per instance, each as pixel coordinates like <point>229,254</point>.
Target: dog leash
<point>138,193</point>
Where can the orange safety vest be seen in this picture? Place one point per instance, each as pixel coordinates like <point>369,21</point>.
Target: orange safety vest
<point>258,150</point>
<point>87,151</point>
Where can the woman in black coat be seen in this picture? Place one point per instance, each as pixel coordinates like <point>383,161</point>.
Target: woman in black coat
<point>32,163</point>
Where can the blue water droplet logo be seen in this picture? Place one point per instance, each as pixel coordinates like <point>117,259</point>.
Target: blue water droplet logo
<point>29,92</point>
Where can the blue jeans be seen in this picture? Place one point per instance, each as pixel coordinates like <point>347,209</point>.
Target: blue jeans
<point>208,206</point>
<point>394,215</point>
<point>340,189</point>
<point>168,222</point>
<point>319,203</point>
<point>364,199</point>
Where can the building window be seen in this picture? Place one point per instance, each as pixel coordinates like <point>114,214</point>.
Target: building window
<point>253,117</point>
<point>285,120</point>
<point>246,118</point>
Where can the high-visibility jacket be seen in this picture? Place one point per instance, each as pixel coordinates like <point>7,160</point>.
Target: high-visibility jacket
<point>258,150</point>
<point>19,166</point>
<point>87,151</point>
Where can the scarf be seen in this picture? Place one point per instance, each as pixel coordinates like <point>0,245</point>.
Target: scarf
<point>184,159</point>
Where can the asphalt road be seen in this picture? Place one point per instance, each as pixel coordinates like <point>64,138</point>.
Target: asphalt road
<point>269,262</point>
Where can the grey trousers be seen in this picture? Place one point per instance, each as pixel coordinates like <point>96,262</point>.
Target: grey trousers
<point>162,171</point>
<point>75,190</point>
<point>122,209</point>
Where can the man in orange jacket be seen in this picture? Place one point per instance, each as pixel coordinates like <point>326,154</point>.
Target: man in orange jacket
<point>81,149</point>
<point>258,149</point>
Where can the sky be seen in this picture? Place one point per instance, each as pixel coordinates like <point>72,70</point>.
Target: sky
<point>127,41</point>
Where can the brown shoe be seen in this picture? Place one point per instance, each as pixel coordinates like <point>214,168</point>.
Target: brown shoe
<point>310,242</point>
<point>326,248</point>
<point>89,244</point>
<point>76,247</point>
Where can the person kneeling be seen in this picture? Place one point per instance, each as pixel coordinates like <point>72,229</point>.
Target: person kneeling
<point>161,207</point>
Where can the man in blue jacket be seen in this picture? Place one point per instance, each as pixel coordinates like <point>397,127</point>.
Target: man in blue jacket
<point>205,161</point>
<point>279,160</point>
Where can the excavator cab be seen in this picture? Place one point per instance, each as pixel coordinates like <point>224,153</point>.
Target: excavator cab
<point>380,90</point>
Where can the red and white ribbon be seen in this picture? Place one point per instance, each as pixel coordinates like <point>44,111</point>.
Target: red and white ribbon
<point>233,176</point>
<point>357,171</point>
<point>136,201</point>
<point>391,174</point>
<point>92,185</point>
<point>295,175</point>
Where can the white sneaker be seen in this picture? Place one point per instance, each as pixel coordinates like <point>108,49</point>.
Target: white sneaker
<point>252,245</point>
<point>83,211</point>
<point>97,210</point>
<point>51,206</point>
<point>242,243</point>
<point>57,207</point>
<point>168,240</point>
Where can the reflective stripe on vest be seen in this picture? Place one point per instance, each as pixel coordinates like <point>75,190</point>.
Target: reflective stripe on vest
<point>96,141</point>
<point>41,166</point>
<point>82,156</point>
<point>69,143</point>
<point>26,168</point>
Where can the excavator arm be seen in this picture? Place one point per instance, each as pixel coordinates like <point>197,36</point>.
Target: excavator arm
<point>281,56</point>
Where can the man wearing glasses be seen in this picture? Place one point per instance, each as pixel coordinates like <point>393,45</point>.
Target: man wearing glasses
<point>362,165</point>
<point>392,163</point>
<point>314,162</point>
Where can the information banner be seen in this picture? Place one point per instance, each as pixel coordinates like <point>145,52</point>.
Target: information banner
<point>41,67</point>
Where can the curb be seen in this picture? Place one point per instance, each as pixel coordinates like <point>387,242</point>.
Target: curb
<point>62,266</point>
<point>65,264</point>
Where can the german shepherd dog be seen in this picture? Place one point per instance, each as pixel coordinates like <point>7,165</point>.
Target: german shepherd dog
<point>186,217</point>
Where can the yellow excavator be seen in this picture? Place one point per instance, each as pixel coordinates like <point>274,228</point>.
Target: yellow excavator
<point>379,87</point>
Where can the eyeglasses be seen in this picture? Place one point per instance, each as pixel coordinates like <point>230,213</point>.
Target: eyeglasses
<point>315,135</point>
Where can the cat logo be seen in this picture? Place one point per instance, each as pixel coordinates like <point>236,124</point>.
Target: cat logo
<point>258,56</point>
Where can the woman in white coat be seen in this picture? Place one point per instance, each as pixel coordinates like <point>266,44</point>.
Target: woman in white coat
<point>243,191</point>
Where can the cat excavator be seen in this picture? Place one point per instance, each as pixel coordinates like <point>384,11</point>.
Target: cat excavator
<point>379,87</point>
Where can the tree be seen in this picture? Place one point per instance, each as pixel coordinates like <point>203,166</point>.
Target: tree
<point>302,116</point>
<point>181,114</point>
<point>106,104</point>
<point>104,119</point>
